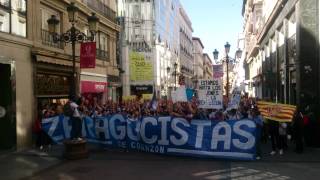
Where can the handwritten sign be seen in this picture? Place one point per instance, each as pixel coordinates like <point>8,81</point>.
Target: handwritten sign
<point>210,94</point>
<point>235,99</point>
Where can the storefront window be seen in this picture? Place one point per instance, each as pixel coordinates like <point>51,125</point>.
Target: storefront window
<point>13,17</point>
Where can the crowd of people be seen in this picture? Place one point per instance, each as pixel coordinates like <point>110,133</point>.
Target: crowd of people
<point>137,108</point>
<point>277,132</point>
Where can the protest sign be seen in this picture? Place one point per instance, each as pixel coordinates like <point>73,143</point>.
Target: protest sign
<point>165,135</point>
<point>210,94</point>
<point>276,111</point>
<point>235,99</point>
<point>126,98</point>
<point>190,93</point>
<point>179,95</point>
<point>217,71</point>
<point>147,96</point>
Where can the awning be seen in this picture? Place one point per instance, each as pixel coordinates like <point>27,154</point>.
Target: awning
<point>93,87</point>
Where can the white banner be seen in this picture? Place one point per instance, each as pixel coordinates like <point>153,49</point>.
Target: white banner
<point>235,99</point>
<point>210,94</point>
<point>179,95</point>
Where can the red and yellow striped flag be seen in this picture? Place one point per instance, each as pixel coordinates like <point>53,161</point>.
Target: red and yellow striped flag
<point>276,111</point>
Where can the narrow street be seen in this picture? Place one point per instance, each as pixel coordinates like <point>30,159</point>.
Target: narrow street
<point>118,164</point>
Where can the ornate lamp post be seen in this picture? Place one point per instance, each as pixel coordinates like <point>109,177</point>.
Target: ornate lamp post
<point>72,36</point>
<point>168,72</point>
<point>73,149</point>
<point>227,60</point>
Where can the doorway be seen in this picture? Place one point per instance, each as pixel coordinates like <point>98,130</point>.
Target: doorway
<point>7,110</point>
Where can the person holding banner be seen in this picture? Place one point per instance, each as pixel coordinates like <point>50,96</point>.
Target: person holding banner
<point>274,134</point>
<point>257,119</point>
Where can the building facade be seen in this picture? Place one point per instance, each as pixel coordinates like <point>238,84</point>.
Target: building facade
<point>207,66</point>
<point>153,35</point>
<point>186,48</point>
<point>198,60</point>
<point>38,71</point>
<point>282,53</point>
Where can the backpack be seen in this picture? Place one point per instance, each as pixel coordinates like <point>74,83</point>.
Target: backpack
<point>67,109</point>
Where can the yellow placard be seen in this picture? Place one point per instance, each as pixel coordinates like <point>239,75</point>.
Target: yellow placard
<point>140,69</point>
<point>147,96</point>
<point>128,98</point>
<point>276,111</point>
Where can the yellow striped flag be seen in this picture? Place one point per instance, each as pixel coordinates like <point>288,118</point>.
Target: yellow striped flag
<point>276,111</point>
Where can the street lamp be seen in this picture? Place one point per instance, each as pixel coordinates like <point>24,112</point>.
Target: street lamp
<point>73,150</point>
<point>227,60</point>
<point>175,65</point>
<point>168,72</point>
<point>72,36</point>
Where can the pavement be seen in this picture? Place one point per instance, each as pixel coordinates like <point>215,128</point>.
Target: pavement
<point>113,164</point>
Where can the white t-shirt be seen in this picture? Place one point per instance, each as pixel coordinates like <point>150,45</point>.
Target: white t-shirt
<point>75,106</point>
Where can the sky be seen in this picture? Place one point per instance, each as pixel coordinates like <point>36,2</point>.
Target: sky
<point>215,22</point>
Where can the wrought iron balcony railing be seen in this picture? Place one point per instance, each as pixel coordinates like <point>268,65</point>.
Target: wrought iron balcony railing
<point>102,8</point>
<point>47,39</point>
<point>102,55</point>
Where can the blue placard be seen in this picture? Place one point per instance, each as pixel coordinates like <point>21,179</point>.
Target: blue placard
<point>232,139</point>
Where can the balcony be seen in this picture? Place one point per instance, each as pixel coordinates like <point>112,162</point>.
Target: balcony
<point>5,5</point>
<point>252,46</point>
<point>102,55</point>
<point>102,8</point>
<point>22,11</point>
<point>47,39</point>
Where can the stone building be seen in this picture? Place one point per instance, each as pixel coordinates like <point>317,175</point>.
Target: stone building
<point>159,32</point>
<point>186,46</point>
<point>37,71</point>
<point>282,52</point>
<point>207,66</point>
<point>198,60</point>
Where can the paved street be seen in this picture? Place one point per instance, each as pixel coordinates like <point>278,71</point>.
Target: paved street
<point>116,164</point>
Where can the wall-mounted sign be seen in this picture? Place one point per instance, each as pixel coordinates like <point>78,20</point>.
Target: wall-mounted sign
<point>141,68</point>
<point>49,84</point>
<point>88,55</point>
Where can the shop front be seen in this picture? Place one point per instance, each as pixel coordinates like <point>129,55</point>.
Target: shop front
<point>52,82</point>
<point>7,104</point>
<point>93,85</point>
<point>52,88</point>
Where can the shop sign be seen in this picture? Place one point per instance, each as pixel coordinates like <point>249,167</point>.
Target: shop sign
<point>93,87</point>
<point>49,84</point>
<point>88,55</point>
<point>142,89</point>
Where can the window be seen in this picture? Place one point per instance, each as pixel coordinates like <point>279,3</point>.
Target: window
<point>102,49</point>
<point>46,14</point>
<point>13,17</point>
<point>46,37</point>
